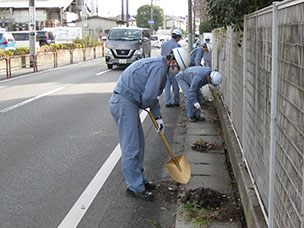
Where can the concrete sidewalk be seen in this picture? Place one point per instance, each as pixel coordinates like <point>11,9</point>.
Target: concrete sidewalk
<point>209,168</point>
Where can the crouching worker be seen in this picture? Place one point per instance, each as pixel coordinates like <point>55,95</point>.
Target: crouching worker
<point>191,81</point>
<point>198,54</point>
<point>138,88</point>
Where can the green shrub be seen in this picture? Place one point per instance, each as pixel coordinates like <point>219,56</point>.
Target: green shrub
<point>18,51</point>
<point>22,51</point>
<point>8,53</point>
<point>206,26</point>
<point>87,42</point>
<point>78,43</point>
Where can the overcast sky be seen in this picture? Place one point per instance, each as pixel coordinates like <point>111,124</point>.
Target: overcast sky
<point>171,7</point>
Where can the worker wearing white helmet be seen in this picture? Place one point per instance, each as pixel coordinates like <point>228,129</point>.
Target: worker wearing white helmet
<point>178,33</point>
<point>191,81</point>
<point>208,54</point>
<point>139,87</point>
<point>167,47</point>
<point>197,54</point>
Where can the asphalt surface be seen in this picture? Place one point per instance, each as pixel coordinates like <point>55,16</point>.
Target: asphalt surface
<point>56,133</point>
<point>52,147</point>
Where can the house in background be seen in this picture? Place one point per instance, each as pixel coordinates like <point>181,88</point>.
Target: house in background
<point>98,26</point>
<point>175,22</point>
<point>63,14</point>
<point>132,20</point>
<point>14,14</point>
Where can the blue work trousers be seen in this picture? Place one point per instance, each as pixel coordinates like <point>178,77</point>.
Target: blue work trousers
<point>132,141</point>
<point>191,110</point>
<point>171,81</point>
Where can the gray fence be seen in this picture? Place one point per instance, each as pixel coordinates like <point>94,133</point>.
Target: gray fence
<point>263,91</point>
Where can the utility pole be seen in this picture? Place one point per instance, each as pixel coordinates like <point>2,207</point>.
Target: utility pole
<point>128,15</point>
<point>151,18</point>
<point>194,17</point>
<point>32,30</point>
<point>190,40</point>
<point>122,11</point>
<point>83,18</point>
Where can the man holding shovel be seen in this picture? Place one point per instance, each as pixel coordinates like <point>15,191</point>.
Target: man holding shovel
<point>138,88</point>
<point>191,81</point>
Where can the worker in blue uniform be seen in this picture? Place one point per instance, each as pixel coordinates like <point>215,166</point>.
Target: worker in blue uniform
<point>198,54</point>
<point>166,49</point>
<point>191,81</point>
<point>138,88</point>
<point>208,54</point>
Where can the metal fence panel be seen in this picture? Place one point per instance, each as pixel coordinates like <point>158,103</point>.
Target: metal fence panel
<point>228,59</point>
<point>290,118</point>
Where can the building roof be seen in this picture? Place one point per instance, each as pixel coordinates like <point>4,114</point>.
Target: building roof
<point>102,18</point>
<point>38,4</point>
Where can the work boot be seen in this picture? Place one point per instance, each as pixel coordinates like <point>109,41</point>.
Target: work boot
<point>145,195</point>
<point>200,118</point>
<point>168,105</point>
<point>150,186</point>
<point>192,119</point>
<point>176,105</point>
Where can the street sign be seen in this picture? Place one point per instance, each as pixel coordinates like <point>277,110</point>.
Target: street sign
<point>150,22</point>
<point>32,19</point>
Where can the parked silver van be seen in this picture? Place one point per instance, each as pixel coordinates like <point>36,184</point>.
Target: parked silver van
<point>125,45</point>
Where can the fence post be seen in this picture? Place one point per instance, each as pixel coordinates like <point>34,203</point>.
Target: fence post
<point>230,70</point>
<point>302,214</point>
<point>84,54</point>
<point>103,49</point>
<point>273,124</point>
<point>7,70</point>
<point>244,89</point>
<point>35,63</point>
<point>71,56</point>
<point>256,81</point>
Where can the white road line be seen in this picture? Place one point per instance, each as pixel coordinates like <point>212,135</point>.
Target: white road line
<point>81,206</point>
<point>102,72</point>
<point>30,100</point>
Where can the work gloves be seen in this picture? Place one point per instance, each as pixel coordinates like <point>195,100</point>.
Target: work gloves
<point>161,125</point>
<point>197,105</point>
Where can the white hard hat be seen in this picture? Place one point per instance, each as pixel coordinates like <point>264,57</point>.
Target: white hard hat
<point>209,47</point>
<point>177,32</point>
<point>182,57</point>
<point>216,77</point>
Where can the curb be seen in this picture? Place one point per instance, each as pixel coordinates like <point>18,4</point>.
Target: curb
<point>252,209</point>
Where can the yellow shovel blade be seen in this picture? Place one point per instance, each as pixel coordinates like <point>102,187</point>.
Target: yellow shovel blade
<point>181,176</point>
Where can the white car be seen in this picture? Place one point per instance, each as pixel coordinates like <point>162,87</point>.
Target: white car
<point>155,41</point>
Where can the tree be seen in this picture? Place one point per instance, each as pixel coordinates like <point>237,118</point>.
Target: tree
<point>143,15</point>
<point>200,9</point>
<point>206,26</point>
<point>231,13</point>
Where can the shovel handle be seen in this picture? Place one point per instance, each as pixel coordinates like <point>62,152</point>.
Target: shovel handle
<point>164,141</point>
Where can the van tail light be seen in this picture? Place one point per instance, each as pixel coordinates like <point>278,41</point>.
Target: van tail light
<point>47,35</point>
<point>5,41</point>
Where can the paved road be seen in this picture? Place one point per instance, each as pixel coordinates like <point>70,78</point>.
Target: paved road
<point>56,134</point>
